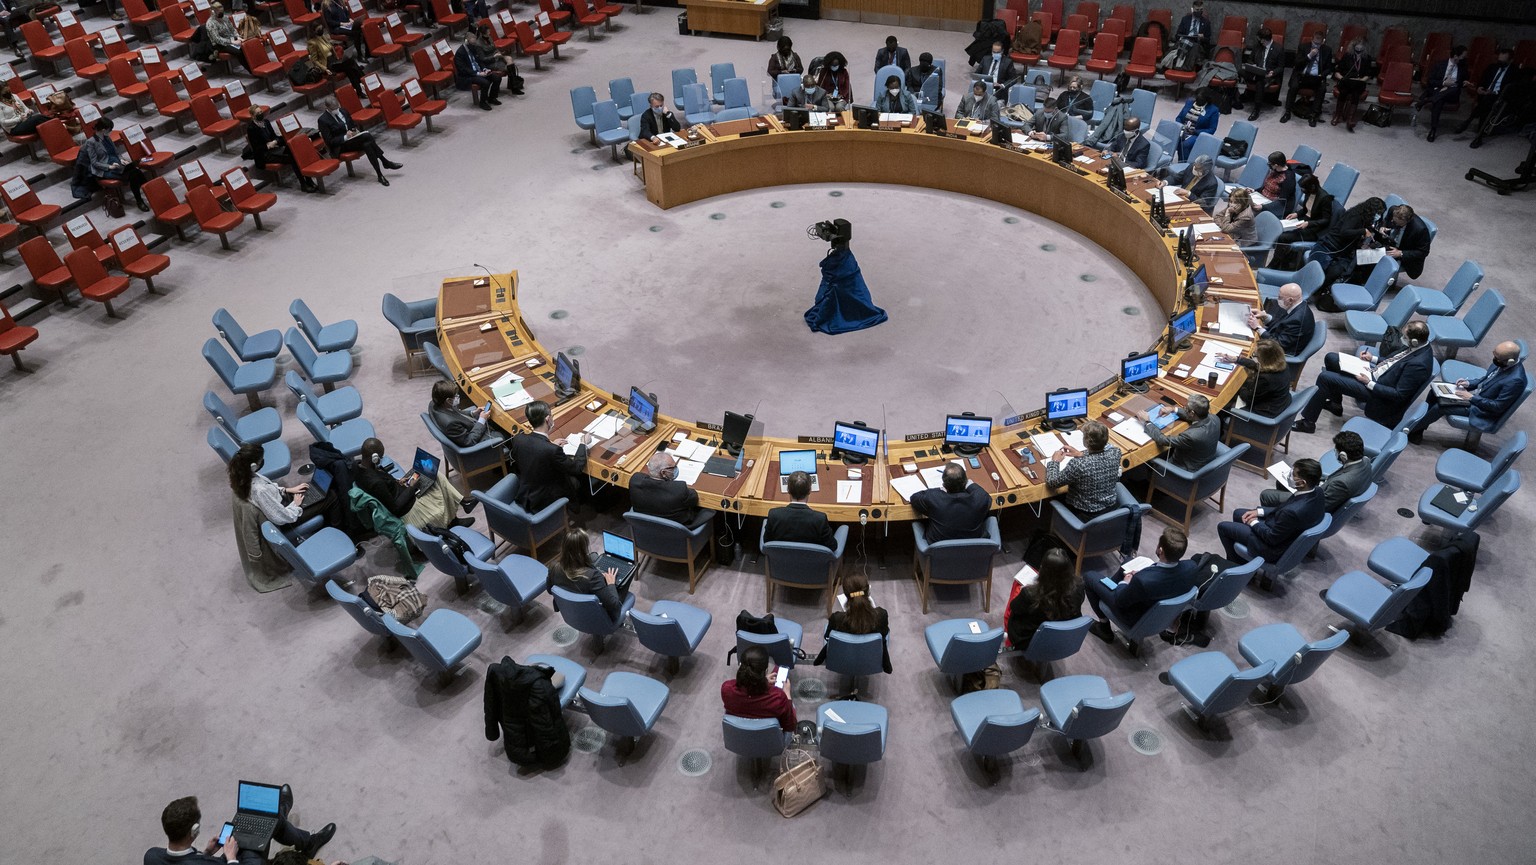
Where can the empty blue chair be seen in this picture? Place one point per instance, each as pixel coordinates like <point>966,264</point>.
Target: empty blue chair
<point>1057,641</point>
<point>957,650</point>
<point>444,559</point>
<point>1264,434</point>
<point>797,565</point>
<point>335,336</point>
<point>1476,511</point>
<point>1340,182</point>
<point>622,92</point>
<point>515,580</point>
<point>586,614</point>
<point>881,75</point>
<point>1211,684</point>
<point>1266,228</point>
<point>1143,103</point>
<point>855,656</point>
<point>508,520</point>
<point>1369,604</point>
<point>338,406</point>
<point>1255,167</point>
<point>671,629</point>
<point>574,673</point>
<point>1157,158</point>
<point>369,618</point>
<point>697,107</point>
<point>680,78</point>
<point>276,459</point>
<point>317,558</point>
<point>258,427</point>
<point>1294,659</point>
<point>1189,488</point>
<point>993,723</point>
<point>757,739</point>
<point>669,541</point>
<point>610,126</point>
<point>436,360</point>
<point>728,114</point>
<point>1155,620</point>
<point>1368,296</point>
<point>1082,708</point>
<point>582,100</point>
<point>955,562</point>
<point>323,369</point>
<point>1018,94</point>
<point>1241,130</point>
<point>1458,288</point>
<point>1307,155</point>
<point>1101,94</point>
<point>1206,144</point>
<point>1298,362</point>
<point>415,321</point>
<point>249,379</point>
<point>1104,533</point>
<point>781,646</point>
<point>1220,590</point>
<point>719,73</point>
<point>1369,327</point>
<point>628,706</point>
<point>1452,333</point>
<point>1397,559</point>
<point>785,85</point>
<point>1348,510</point>
<point>852,734</point>
<point>440,642</point>
<point>1309,278</point>
<point>1077,129</point>
<point>1464,471</point>
<point>1293,556</point>
<point>347,437</point>
<point>482,456</point>
<point>1166,133</point>
<point>1034,77</point>
<point>639,103</point>
<point>248,347</point>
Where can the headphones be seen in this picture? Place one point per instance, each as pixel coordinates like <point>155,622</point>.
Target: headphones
<point>1343,457</point>
<point>255,468</point>
<point>376,458</point>
<point>196,827</point>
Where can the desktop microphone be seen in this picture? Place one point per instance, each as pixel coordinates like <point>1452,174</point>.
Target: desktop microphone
<point>488,275</point>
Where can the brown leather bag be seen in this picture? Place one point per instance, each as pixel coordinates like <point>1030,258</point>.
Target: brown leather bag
<point>800,783</point>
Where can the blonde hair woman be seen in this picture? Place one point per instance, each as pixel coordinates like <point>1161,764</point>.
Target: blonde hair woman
<point>1237,219</point>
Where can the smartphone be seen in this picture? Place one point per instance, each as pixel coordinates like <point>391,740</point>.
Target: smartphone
<point>487,405</point>
<point>975,463</point>
<point>228,830</point>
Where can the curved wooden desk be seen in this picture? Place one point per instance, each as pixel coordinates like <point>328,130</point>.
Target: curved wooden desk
<point>483,334</point>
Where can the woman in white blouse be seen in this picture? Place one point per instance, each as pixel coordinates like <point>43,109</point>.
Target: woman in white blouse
<point>280,505</point>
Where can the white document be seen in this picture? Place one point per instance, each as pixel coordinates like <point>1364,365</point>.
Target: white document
<point>978,127</point>
<point>1204,228</point>
<point>1281,472</point>
<point>933,477</point>
<point>514,399</point>
<point>1204,370</point>
<point>820,118</point>
<point>1074,439</point>
<point>1259,200</point>
<point>849,492</point>
<point>1084,159</point>
<point>903,119</point>
<point>1290,224</point>
<point>572,445</point>
<point>1132,429</point>
<point>604,427</point>
<point>672,139</point>
<point>1351,364</point>
<point>1019,139</point>
<point>688,471</point>
<point>1169,194</point>
<point>1233,316</point>
<point>693,450</point>
<point>1365,257</point>
<point>907,485</point>
<point>1445,390</point>
<point>1046,443</point>
<point>1136,564</point>
<point>1026,576</point>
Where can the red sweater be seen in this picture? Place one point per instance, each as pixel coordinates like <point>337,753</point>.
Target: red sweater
<point>774,704</point>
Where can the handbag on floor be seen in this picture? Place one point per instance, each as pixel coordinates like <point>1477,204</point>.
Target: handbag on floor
<point>1377,115</point>
<point>800,783</point>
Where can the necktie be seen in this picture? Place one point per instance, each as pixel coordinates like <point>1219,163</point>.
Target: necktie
<point>993,73</point>
<point>1498,80</point>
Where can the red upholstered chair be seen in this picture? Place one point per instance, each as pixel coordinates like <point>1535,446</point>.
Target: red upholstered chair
<point>168,103</point>
<point>127,84</point>
<point>1396,85</point>
<point>245,197</point>
<point>211,217</point>
<point>427,71</point>
<point>24,205</point>
<point>1143,62</point>
<point>14,337</point>
<point>1058,15</point>
<point>141,16</point>
<point>1437,47</point>
<point>194,175</point>
<point>1163,17</point>
<point>141,148</point>
<point>135,259</point>
<point>395,115</point>
<point>61,146</point>
<point>155,65</point>
<point>1124,12</point>
<point>531,45</point>
<point>401,36</point>
<point>363,116</point>
<point>177,23</point>
<point>446,17</point>
<point>82,234</point>
<point>166,207</point>
<point>1010,20</point>
<point>1118,27</point>
<point>1240,24</point>
<point>195,82</point>
<point>84,61</point>
<point>556,14</point>
<point>587,18</point>
<point>309,161</point>
<point>48,272</point>
<point>237,101</point>
<point>419,103</point>
<point>607,8</point>
<point>94,281</point>
<point>1106,54</point>
<point>546,30</point>
<point>41,44</point>
<point>1090,12</point>
<point>1069,45</point>
<point>263,64</point>
<point>283,48</point>
<point>299,14</point>
<point>70,26</point>
<point>113,46</point>
<point>379,46</point>
<point>1032,59</point>
<point>1076,22</point>
<point>213,124</point>
<point>9,232</point>
<point>503,31</point>
<point>1277,29</point>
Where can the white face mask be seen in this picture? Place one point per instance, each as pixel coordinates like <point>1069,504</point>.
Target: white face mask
<point>836,67</point>
<point>894,91</point>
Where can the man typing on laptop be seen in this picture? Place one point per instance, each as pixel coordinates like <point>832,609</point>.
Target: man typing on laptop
<point>261,817</point>
<point>421,496</point>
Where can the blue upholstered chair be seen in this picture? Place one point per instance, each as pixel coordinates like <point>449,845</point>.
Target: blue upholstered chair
<point>957,651</point>
<point>719,73</point>
<point>485,455</point>
<point>1266,228</point>
<point>670,541</point>
<point>1188,488</point>
<point>324,337</point>
<point>1018,94</point>
<point>1307,155</point>
<point>1104,533</point>
<point>728,114</point>
<point>1294,554</point>
<point>1456,370</point>
<point>786,84</point>
<point>415,321</point>
<point>1206,144</point>
<point>797,565</point>
<point>1309,277</point>
<point>440,642</point>
<point>1464,471</point>
<point>993,723</point>
<point>1397,559</point>
<point>318,558</point>
<point>574,673</point>
<point>258,427</point>
<point>697,107</point>
<point>628,706</point>
<point>1369,604</point>
<point>515,580</point>
<point>1348,510</point>
<point>1255,166</point>
<point>1369,326</point>
<point>586,614</point>
<point>1101,94</point>
<point>1475,435</point>
<point>347,437</point>
<point>852,733</point>
<point>582,100</point>
<point>931,94</point>
<point>248,347</point>
<point>757,739</point>
<point>249,379</point>
<point>1448,301</point>
<point>680,78</point>
<point>1452,333</point>
<point>781,646</point>
<point>508,521</point>
<point>1305,247</point>
<point>1298,362</point>
<point>622,92</point>
<point>1294,659</point>
<point>1212,685</point>
<point>367,617</point>
<point>276,460</point>
<point>1367,297</point>
<point>1081,708</point>
<point>1143,104</point>
<point>1340,182</point>
<point>878,84</point>
<point>955,562</point>
<point>1155,620</point>
<point>855,656</point>
<point>1221,589</point>
<point>609,128</point>
<point>1264,434</point>
<point>739,95</point>
<point>338,406</point>
<point>639,103</point>
<point>1478,511</point>
<point>1057,641</point>
<point>1157,157</point>
<point>437,552</point>
<point>1241,130</point>
<point>323,369</point>
<point>671,629</point>
<point>436,360</point>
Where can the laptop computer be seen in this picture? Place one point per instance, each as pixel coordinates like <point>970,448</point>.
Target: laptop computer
<point>423,473</point>
<point>619,554</point>
<point>797,461</point>
<point>319,486</point>
<point>256,811</point>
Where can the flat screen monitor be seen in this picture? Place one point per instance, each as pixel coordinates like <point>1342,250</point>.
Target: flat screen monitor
<point>567,377</point>
<point>935,122</point>
<point>1199,276</point>
<point>1002,136</point>
<point>1182,328</point>
<point>967,430</point>
<point>854,440</point>
<point>1116,173</point>
<point>1061,150</point>
<point>1066,405</point>
<point>1139,367</point>
<point>865,117</point>
<point>797,461</point>
<point>733,432</point>
<point>618,545</point>
<point>796,118</point>
<point>642,409</point>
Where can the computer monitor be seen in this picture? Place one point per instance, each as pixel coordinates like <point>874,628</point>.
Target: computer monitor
<point>1187,246</point>
<point>967,434</point>
<point>567,376</point>
<point>854,443</point>
<point>1180,329</point>
<point>643,409</point>
<point>1063,407</point>
<point>1002,136</point>
<point>1116,173</point>
<point>796,119</point>
<point>733,432</point>
<point>865,117</point>
<point>935,122</point>
<point>1137,368</point>
<point>797,461</point>
<point>619,546</point>
<point>1194,286</point>
<point>1061,150</point>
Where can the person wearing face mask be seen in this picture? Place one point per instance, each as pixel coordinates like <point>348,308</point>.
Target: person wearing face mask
<point>222,38</point>
<point>658,119</point>
<point>1499,73</point>
<point>1484,401</point>
<point>267,146</point>
<point>1267,532</point>
<point>1199,114</point>
<point>895,99</point>
<point>892,55</point>
<point>1345,482</point>
<point>784,61</point>
<point>1286,320</point>
<point>182,822</point>
<point>1390,386</point>
<point>1351,75</point>
<point>106,162</point>
<point>810,93</point>
<point>1200,181</point>
<point>834,80</point>
<point>463,427</point>
<point>340,133</point>
<point>997,70</point>
<point>920,73</point>
<point>657,492</point>
<point>978,104</point>
<point>435,507</point>
<point>1193,448</point>
<point>1405,236</point>
<point>1049,122</point>
<point>1314,65</point>
<point>1443,84</point>
<point>1262,72</point>
<point>1075,100</point>
<point>546,473</point>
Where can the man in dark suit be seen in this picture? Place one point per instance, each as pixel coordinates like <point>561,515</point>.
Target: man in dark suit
<point>1483,402</point>
<point>955,512</point>
<point>1132,144</point>
<point>1442,85</point>
<point>1392,385</point>
<point>1267,56</point>
<point>182,822</point>
<point>267,147</point>
<point>1136,592</point>
<point>1347,481</point>
<point>1405,236</point>
<point>1286,320</point>
<point>1500,72</point>
<point>545,472</point>
<point>1268,533</point>
<point>1196,28</point>
<point>1314,66</point>
<point>796,521</point>
<point>997,70</point>
<point>658,119</point>
<point>1049,122</point>
<point>463,427</point>
<point>341,134</point>
<point>978,104</point>
<point>892,55</point>
<point>1193,448</point>
<point>659,493</point>
<point>468,73</point>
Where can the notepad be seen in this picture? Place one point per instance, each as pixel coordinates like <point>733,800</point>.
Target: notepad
<point>1204,228</point>
<point>1026,576</point>
<point>1131,429</point>
<point>688,471</point>
<point>849,492</point>
<point>1136,564</point>
<point>907,486</point>
<point>672,139</point>
<point>1367,257</point>
<point>1445,391</point>
<point>1281,472</point>
<point>933,477</point>
<point>604,427</point>
<point>1291,224</point>
<point>1233,317</point>
<point>1350,364</point>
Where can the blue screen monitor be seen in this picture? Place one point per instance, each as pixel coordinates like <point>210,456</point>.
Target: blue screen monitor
<point>1066,405</point>
<point>1199,277</point>
<point>566,377</point>
<point>1139,367</point>
<point>262,798</point>
<point>797,461</point>
<point>1182,328</point>
<point>642,409</point>
<point>618,545</point>
<point>967,430</point>
<point>855,440</point>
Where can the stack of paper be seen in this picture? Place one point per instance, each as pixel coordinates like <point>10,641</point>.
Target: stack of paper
<point>1368,257</point>
<point>1132,429</point>
<point>933,477</point>
<point>604,427</point>
<point>1206,368</point>
<point>1169,194</point>
<point>1026,576</point>
<point>1233,318</point>
<point>1350,364</point>
<point>979,127</point>
<point>672,139</point>
<point>1204,228</point>
<point>1136,564</point>
<point>509,393</point>
<point>1289,224</point>
<point>907,486</point>
<point>903,119</point>
<point>820,118</point>
<point>688,471</point>
<point>1282,475</point>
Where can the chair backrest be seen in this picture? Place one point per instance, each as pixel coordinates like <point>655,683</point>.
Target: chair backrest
<point>1144,102</point>
<point>1300,666</point>
<point>881,75</point>
<point>1402,594</point>
<point>662,635</point>
<point>437,552</point>
<point>1227,585</point>
<point>1235,690</point>
<point>621,89</point>
<point>436,359</point>
<point>1242,130</point>
<point>230,329</point>
<point>219,358</point>
<point>303,354</point>
<point>1160,616</point>
<point>680,79</point>
<point>1266,229</point>
<point>582,100</point>
<point>415,643</point>
<point>1463,282</point>
<point>1402,308</point>
<point>1484,312</point>
<point>1347,511</point>
<point>1340,182</point>
<point>737,93</point>
<point>1069,43</point>
<point>1022,94</point>
<point>1077,129</point>
<point>279,542</point>
<point>1304,543</point>
<point>639,103</point>
<point>966,652</point>
<point>696,99</point>
<point>1506,456</point>
<point>658,536</point>
<point>1380,280</point>
<point>778,646</point>
<point>1003,734</point>
<point>1389,453</point>
<point>1252,175</point>
<point>1055,641</point>
<point>1155,155</point>
<point>855,654</point>
<point>1167,131</point>
<point>965,558</point>
<point>1206,144</point>
<point>719,73</point>
<point>1144,51</point>
<point>1496,495</point>
<point>785,85</point>
<point>306,319</point>
<point>757,738</point>
<point>1307,155</point>
<point>852,744</point>
<point>221,443</point>
<point>583,612</point>
<point>312,422</point>
<point>733,114</point>
<point>299,388</point>
<point>1093,717</point>
<point>226,416</point>
<point>616,714</point>
<point>366,616</point>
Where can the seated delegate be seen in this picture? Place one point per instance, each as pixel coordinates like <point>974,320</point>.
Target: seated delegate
<point>1347,481</point>
<point>463,427</point>
<point>1056,595</point>
<point>1267,392</point>
<point>573,572</point>
<point>1090,477</point>
<point>1388,389</point>
<point>658,493</point>
<point>752,695</point>
<point>957,511</point>
<point>1268,533</point>
<point>1135,592</point>
<point>895,99</point>
<point>436,507</point>
<point>1193,448</point>
<point>545,472</point>
<point>797,521</point>
<point>978,104</point>
<point>861,617</point>
<point>182,822</point>
<point>1483,402</point>
<point>1287,320</point>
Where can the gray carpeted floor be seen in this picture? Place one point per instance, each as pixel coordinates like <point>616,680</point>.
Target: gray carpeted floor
<point>141,667</point>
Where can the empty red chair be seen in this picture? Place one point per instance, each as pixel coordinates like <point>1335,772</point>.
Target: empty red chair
<point>196,82</point>
<point>213,124</point>
<point>94,281</point>
<point>140,15</point>
<point>41,44</point>
<point>1233,39</point>
<point>380,44</point>
<point>177,24</point>
<point>141,149</point>
<point>166,206</point>
<point>425,61</point>
<point>363,116</point>
<point>1118,27</point>
<point>155,65</point>
<point>194,175</point>
<point>61,146</point>
<point>245,197</point>
<point>588,18</point>
<point>1058,14</point>
<point>1090,12</point>
<point>555,13</point>
<point>417,99</point>
<point>299,15</point>
<point>1396,85</point>
<point>607,8</point>
<point>112,45</point>
<point>1106,54</point>
<point>531,45</point>
<point>127,83</point>
<point>83,59</point>
<point>167,102</point>
<point>210,216</point>
<point>70,26</point>
<point>1124,12</point>
<point>401,36</point>
<point>503,31</point>
<point>82,234</point>
<point>1076,22</point>
<point>263,64</point>
<point>446,17</point>
<point>545,29</point>
<point>135,259</point>
<point>238,101</point>
<point>1163,17</point>
<point>309,161</point>
<point>9,231</point>
<point>395,114</point>
<point>48,272</point>
<point>1069,45</point>
<point>14,337</point>
<point>24,205</point>
<point>1525,53</point>
<point>283,48</point>
<point>1010,20</point>
<point>1240,24</point>
<point>1143,62</point>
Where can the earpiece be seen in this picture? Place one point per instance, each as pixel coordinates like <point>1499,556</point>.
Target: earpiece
<point>255,467</point>
<point>196,827</point>
<point>1343,458</point>
<point>377,458</point>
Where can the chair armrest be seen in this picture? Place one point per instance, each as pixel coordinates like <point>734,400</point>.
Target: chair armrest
<point>994,534</point>
<point>1064,513</point>
<point>423,308</point>
<point>1170,469</point>
<point>919,537</point>
<point>483,445</point>
<point>841,536</point>
<point>1247,416</point>
<point>701,530</point>
<point>550,510</point>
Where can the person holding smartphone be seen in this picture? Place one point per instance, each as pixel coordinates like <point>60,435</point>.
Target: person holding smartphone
<point>182,821</point>
<point>463,427</point>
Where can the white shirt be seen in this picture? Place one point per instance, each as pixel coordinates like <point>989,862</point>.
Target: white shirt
<point>267,496</point>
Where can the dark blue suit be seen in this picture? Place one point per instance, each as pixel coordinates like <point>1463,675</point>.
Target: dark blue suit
<point>467,73</point>
<point>1293,330</point>
<point>1131,600</point>
<point>1395,389</point>
<point>1272,533</point>
<point>1492,397</point>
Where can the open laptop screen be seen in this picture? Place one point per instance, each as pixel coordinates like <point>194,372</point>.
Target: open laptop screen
<point>797,461</point>
<point>261,798</point>
<point>619,546</point>
<point>425,463</point>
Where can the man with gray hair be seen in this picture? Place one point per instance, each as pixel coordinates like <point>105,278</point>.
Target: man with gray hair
<point>1193,448</point>
<point>658,493</point>
<point>1286,320</point>
<point>342,135</point>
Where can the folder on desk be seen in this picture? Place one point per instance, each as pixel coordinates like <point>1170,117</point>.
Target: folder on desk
<point>672,139</point>
<point>1350,364</point>
<point>604,427</point>
<point>849,492</point>
<point>1132,430</point>
<point>688,471</point>
<point>907,485</point>
<point>1232,317</point>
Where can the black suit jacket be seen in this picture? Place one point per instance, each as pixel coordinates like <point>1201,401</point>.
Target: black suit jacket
<point>1269,393</point>
<point>670,500</point>
<point>1275,531</point>
<point>884,57</point>
<point>1137,151</point>
<point>649,127</point>
<point>258,136</point>
<point>1414,245</point>
<point>799,523</point>
<point>380,484</point>
<point>461,428</point>
<point>1399,387</point>
<point>1437,72</point>
<point>161,856</point>
<point>1272,61</point>
<point>545,472</point>
<point>953,516</point>
<point>1159,582</point>
<point>1324,60</point>
<point>1317,217</point>
<point>1291,329</point>
<point>334,131</point>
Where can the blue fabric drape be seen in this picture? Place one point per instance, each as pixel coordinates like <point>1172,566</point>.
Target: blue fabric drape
<point>842,303</point>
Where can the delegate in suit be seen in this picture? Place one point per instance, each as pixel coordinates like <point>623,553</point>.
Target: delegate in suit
<point>1314,66</point>
<point>977,104</point>
<point>340,133</point>
<point>1135,592</point>
<point>1267,533</point>
<point>1392,385</point>
<point>997,70</point>
<point>1287,320</point>
<point>1483,402</point>
<point>545,472</point>
<point>1345,482</point>
<point>957,511</point>
<point>1266,56</point>
<point>797,522</point>
<point>1193,448</point>
<point>1443,85</point>
<point>658,493</point>
<point>658,119</point>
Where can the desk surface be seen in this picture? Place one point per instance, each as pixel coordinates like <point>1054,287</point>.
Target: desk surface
<point>484,336</point>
